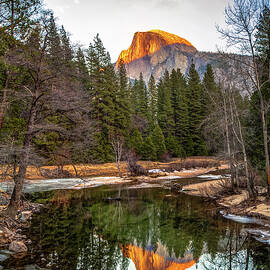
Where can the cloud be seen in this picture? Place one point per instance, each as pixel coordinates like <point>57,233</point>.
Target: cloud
<point>77,1</point>
<point>167,3</point>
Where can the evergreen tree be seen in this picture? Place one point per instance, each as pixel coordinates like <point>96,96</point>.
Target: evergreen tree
<point>255,134</point>
<point>66,47</point>
<point>54,46</point>
<point>181,114</point>
<point>142,98</point>
<point>209,90</point>
<point>158,141</point>
<point>123,108</point>
<point>136,141</point>
<point>16,16</point>
<point>81,70</point>
<point>153,99</point>
<point>148,151</point>
<point>103,88</point>
<point>194,95</point>
<point>165,110</point>
<point>174,147</point>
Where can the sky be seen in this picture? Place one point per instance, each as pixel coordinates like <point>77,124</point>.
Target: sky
<point>116,21</point>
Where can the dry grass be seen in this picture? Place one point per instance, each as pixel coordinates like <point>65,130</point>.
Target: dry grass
<point>110,169</point>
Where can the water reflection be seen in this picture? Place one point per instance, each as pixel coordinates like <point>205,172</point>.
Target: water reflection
<point>146,230</point>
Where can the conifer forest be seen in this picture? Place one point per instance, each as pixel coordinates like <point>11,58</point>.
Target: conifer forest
<point>62,103</point>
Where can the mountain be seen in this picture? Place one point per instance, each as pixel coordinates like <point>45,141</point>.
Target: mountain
<point>154,51</point>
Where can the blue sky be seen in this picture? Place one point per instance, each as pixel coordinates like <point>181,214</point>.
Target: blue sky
<point>117,20</point>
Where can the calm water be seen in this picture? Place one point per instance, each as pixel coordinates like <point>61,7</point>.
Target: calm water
<point>149,229</point>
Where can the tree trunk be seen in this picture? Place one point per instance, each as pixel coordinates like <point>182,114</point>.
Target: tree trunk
<point>250,184</point>
<point>118,166</point>
<point>15,200</point>
<point>265,141</point>
<point>266,151</point>
<point>228,141</point>
<point>4,102</point>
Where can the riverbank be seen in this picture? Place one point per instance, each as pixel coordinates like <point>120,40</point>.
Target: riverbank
<point>13,240</point>
<point>237,207</point>
<point>237,204</point>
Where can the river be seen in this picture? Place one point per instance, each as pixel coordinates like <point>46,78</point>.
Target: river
<point>147,229</point>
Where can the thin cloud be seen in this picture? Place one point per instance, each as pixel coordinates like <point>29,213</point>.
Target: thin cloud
<point>167,3</point>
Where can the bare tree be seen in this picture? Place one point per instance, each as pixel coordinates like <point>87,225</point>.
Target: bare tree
<point>117,142</point>
<point>46,93</point>
<point>242,17</point>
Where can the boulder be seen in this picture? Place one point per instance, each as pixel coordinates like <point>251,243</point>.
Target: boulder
<point>17,247</point>
<point>25,215</point>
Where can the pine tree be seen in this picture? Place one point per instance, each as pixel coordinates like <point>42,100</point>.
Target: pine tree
<point>54,46</point>
<point>181,114</point>
<point>255,133</point>
<point>142,98</point>
<point>174,147</point>
<point>148,151</point>
<point>165,110</point>
<point>66,47</point>
<point>16,17</point>
<point>158,141</point>
<point>209,90</point>
<point>103,89</point>
<point>81,70</point>
<point>194,96</point>
<point>122,106</point>
<point>136,141</point>
<point>153,99</point>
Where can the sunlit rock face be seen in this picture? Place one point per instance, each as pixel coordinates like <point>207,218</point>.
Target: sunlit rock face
<point>155,51</point>
<point>147,43</point>
<point>159,260</point>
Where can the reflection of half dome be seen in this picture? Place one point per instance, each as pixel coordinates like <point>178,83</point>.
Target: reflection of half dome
<point>149,260</point>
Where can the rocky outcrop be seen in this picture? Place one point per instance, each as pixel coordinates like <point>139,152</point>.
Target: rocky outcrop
<point>155,51</point>
<point>148,43</point>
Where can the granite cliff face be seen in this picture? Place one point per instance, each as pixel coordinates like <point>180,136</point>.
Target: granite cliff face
<point>155,51</point>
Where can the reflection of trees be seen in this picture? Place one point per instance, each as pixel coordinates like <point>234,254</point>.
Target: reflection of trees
<point>236,251</point>
<point>82,230</point>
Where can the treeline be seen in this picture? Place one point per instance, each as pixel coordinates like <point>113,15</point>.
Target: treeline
<point>83,104</point>
<point>169,115</point>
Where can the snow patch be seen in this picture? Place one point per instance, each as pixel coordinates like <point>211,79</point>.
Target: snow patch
<point>189,171</point>
<point>170,177</point>
<point>145,185</point>
<point>240,219</point>
<point>155,171</point>
<point>212,176</point>
<point>260,235</point>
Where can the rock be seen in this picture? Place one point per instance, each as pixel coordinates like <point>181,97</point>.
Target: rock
<point>25,215</point>
<point>17,247</point>
<point>5,236</point>
<point>3,257</point>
